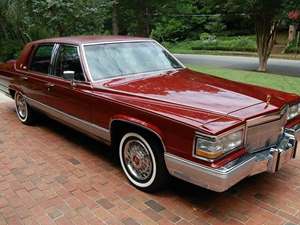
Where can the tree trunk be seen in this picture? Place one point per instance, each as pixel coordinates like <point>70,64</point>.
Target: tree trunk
<point>147,21</point>
<point>115,23</point>
<point>292,33</point>
<point>143,19</point>
<point>266,32</point>
<point>263,64</point>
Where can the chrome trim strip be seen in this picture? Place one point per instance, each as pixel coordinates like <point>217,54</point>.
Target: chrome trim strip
<point>112,42</point>
<point>213,179</point>
<point>88,128</point>
<point>177,60</point>
<point>220,171</point>
<point>4,89</point>
<point>53,59</point>
<point>268,117</point>
<point>241,127</point>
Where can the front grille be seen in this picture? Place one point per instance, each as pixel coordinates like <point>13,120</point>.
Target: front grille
<point>264,135</point>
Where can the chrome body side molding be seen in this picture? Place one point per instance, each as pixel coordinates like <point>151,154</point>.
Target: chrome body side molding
<point>86,127</point>
<point>4,89</point>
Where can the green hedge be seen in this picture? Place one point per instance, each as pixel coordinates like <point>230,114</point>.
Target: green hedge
<point>242,43</point>
<point>211,42</point>
<point>292,48</point>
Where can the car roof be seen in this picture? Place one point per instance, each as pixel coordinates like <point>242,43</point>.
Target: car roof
<point>77,40</point>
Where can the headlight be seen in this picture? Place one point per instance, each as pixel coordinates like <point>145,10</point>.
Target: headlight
<point>211,148</point>
<point>293,111</point>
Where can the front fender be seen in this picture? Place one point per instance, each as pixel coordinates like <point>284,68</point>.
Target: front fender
<point>138,122</point>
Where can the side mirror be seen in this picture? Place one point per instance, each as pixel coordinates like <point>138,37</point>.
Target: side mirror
<point>69,75</point>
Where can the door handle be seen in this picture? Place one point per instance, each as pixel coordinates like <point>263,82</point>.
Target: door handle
<point>49,86</point>
<point>24,78</point>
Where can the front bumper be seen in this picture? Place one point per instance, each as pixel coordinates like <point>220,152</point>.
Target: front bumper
<point>221,179</point>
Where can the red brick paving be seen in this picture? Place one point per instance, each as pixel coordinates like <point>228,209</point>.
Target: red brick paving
<point>50,174</point>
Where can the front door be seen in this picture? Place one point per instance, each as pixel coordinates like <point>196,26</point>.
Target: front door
<point>67,88</point>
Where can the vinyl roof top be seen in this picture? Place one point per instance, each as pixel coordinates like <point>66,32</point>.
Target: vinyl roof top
<point>89,39</point>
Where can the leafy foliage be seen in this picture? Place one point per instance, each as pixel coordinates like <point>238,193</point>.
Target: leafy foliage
<point>22,21</point>
<point>293,48</point>
<point>165,20</point>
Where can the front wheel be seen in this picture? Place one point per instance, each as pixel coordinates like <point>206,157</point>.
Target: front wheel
<point>142,161</point>
<point>24,112</point>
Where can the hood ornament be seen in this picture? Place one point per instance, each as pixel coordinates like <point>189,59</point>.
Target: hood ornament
<point>268,101</point>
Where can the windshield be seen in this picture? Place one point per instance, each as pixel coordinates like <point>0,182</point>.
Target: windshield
<point>120,59</point>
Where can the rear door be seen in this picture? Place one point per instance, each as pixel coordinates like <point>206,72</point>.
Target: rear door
<point>34,81</point>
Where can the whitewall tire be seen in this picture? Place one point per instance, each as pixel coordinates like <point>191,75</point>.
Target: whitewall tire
<point>142,161</point>
<point>23,110</point>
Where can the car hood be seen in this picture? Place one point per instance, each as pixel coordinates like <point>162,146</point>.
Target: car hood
<point>196,90</point>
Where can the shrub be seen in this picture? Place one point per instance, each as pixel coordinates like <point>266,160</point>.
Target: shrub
<point>292,48</point>
<point>208,38</point>
<point>242,43</point>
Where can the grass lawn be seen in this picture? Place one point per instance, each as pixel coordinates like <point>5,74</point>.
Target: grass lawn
<point>284,83</point>
<point>223,45</point>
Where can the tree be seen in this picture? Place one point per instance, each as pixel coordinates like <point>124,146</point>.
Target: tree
<point>265,13</point>
<point>22,21</point>
<point>71,17</point>
<point>139,17</point>
<point>115,21</point>
<point>294,16</point>
<point>167,20</point>
<point>179,20</point>
<point>267,16</point>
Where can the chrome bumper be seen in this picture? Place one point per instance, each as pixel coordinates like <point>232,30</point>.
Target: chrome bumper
<point>221,179</point>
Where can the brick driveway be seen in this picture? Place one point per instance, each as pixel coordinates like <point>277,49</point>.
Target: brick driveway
<point>50,174</point>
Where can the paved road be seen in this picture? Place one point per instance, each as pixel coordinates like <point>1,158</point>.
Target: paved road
<point>277,66</point>
<point>50,174</point>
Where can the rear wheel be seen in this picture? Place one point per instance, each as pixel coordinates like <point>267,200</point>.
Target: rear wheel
<point>24,112</point>
<point>142,161</point>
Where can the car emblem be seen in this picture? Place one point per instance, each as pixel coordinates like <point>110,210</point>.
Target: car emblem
<point>268,100</point>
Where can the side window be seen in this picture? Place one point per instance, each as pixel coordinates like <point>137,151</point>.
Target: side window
<point>68,61</point>
<point>41,59</point>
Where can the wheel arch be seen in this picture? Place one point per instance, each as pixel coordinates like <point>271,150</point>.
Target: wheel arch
<point>12,93</point>
<point>13,90</point>
<point>119,123</point>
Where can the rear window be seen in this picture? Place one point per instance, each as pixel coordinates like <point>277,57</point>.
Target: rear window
<point>41,59</point>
